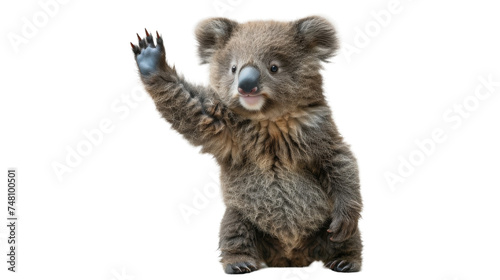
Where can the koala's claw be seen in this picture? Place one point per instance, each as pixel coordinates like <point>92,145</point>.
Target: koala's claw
<point>135,49</point>
<point>149,58</point>
<point>240,268</point>
<point>343,266</point>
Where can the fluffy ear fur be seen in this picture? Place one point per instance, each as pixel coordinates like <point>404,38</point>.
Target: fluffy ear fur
<point>319,35</point>
<point>212,34</point>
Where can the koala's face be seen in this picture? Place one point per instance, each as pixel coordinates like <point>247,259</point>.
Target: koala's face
<point>266,68</point>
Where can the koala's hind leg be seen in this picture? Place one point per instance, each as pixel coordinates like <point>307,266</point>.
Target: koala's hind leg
<point>342,256</point>
<point>237,244</point>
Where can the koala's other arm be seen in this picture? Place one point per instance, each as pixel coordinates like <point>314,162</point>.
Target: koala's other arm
<point>341,174</point>
<point>192,110</point>
<point>339,177</point>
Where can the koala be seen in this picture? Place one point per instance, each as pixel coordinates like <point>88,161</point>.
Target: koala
<point>289,181</point>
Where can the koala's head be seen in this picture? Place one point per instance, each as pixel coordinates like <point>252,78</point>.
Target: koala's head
<point>266,67</point>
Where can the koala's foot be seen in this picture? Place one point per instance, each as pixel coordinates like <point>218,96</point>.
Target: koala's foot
<point>150,57</point>
<point>240,267</point>
<point>344,256</point>
<point>237,244</point>
<point>343,266</point>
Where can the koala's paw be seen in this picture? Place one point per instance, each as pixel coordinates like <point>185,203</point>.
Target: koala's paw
<point>240,267</point>
<point>343,266</point>
<point>342,228</point>
<point>149,57</point>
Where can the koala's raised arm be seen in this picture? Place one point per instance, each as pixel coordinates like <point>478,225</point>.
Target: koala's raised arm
<point>193,111</point>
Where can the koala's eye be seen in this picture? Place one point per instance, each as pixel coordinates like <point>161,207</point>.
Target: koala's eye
<point>274,68</point>
<point>233,69</point>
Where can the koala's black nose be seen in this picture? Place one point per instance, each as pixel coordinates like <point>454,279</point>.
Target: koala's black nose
<point>248,80</point>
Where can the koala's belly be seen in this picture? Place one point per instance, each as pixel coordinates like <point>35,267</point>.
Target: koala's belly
<point>282,203</point>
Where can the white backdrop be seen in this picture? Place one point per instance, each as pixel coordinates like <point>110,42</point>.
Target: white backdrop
<point>415,90</point>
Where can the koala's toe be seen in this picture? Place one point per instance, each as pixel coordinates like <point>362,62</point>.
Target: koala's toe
<point>343,266</point>
<point>240,268</point>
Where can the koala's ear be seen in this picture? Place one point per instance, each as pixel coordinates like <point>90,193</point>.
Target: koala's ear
<point>318,35</point>
<point>212,34</point>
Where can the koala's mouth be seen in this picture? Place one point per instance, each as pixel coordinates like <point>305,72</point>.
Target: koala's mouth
<point>251,101</point>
